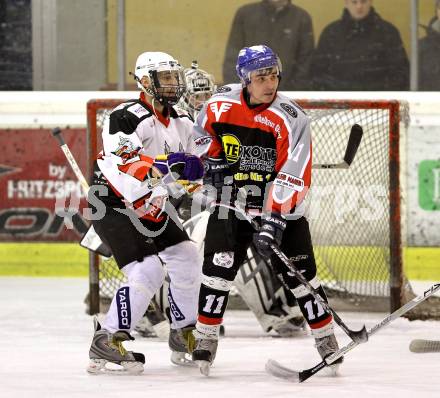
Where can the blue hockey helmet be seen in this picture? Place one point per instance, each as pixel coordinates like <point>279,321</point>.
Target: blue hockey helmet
<point>254,58</point>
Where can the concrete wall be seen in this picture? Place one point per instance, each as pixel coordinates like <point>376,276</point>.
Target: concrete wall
<point>69,44</point>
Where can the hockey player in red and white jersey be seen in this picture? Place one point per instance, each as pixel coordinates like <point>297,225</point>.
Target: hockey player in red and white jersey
<point>147,147</point>
<point>258,141</point>
<point>272,304</point>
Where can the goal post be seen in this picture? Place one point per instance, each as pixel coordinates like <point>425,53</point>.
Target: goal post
<point>355,214</point>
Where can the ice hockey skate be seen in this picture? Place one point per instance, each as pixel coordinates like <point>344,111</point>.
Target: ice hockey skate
<point>204,354</point>
<point>107,348</point>
<point>326,346</point>
<point>182,343</point>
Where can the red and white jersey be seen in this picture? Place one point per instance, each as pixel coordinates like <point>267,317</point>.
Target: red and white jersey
<point>133,135</point>
<point>267,147</point>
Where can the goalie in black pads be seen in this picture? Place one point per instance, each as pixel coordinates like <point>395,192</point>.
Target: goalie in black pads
<point>147,147</point>
<point>257,148</point>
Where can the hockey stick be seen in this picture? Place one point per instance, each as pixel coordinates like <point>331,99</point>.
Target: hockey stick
<point>278,370</point>
<point>423,346</point>
<point>354,141</point>
<point>56,132</point>
<point>358,336</point>
<point>90,240</point>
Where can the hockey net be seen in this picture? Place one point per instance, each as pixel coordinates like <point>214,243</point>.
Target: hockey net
<point>354,213</point>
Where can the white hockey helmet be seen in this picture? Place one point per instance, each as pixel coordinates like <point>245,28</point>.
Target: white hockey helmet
<point>167,83</point>
<point>199,88</point>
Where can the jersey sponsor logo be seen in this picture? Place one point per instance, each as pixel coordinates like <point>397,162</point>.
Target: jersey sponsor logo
<point>289,181</point>
<point>269,123</point>
<point>223,259</point>
<point>231,146</point>
<point>289,109</point>
<point>174,309</point>
<point>201,141</point>
<point>138,110</point>
<point>223,89</point>
<point>123,305</point>
<point>251,157</point>
<point>218,110</point>
<point>126,150</point>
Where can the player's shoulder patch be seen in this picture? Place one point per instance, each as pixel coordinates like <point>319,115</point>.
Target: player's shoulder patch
<point>127,116</point>
<point>288,107</point>
<point>230,91</point>
<point>138,110</point>
<point>223,89</point>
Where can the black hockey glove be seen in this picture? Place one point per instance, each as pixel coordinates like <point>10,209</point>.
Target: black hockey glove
<point>271,231</point>
<point>217,174</point>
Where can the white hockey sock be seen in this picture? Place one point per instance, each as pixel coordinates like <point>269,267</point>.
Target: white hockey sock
<point>131,300</point>
<point>203,331</point>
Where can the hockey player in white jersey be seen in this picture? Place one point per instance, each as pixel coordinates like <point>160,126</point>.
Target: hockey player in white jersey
<point>147,143</point>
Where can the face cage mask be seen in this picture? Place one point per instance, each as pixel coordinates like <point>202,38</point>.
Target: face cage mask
<point>197,85</point>
<point>167,95</point>
<point>194,102</point>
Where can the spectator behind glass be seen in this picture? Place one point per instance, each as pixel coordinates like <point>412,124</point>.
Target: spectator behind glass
<point>282,26</point>
<point>429,55</point>
<point>360,51</point>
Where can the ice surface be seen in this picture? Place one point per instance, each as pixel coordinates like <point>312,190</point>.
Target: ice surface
<point>45,336</point>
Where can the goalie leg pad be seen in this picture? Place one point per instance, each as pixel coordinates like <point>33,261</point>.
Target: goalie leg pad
<point>273,305</point>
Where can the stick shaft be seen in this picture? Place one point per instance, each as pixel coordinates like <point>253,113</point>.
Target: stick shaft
<point>305,374</point>
<point>78,173</point>
<point>58,135</point>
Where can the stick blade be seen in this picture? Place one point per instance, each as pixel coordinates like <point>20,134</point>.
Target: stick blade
<point>353,143</point>
<point>276,369</point>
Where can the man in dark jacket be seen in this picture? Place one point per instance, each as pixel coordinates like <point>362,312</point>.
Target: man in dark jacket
<point>429,55</point>
<point>282,26</point>
<point>361,51</point>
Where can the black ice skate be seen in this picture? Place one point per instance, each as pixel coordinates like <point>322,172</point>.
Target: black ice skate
<point>182,342</point>
<point>326,346</point>
<point>204,354</point>
<point>107,348</point>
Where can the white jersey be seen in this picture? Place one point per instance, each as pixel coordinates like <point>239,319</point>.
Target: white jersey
<point>133,135</point>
